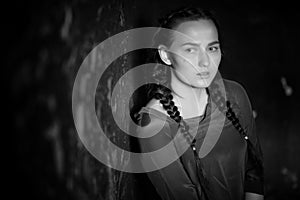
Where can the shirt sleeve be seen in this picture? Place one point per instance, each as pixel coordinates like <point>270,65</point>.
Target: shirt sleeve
<point>172,181</point>
<point>254,174</point>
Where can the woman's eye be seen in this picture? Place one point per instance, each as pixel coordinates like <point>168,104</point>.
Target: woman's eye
<point>190,50</point>
<point>213,48</point>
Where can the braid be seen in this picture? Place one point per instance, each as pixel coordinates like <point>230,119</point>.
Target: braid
<point>165,97</point>
<point>235,121</point>
<point>225,107</point>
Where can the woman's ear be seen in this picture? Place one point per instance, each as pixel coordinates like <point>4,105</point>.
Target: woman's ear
<point>164,56</point>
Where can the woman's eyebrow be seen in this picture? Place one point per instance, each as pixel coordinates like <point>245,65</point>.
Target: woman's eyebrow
<point>213,43</point>
<point>190,43</point>
<point>197,44</point>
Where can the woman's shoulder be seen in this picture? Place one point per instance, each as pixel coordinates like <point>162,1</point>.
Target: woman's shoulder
<point>234,86</point>
<point>153,119</point>
<point>240,102</point>
<point>157,106</point>
<point>152,114</point>
<point>237,93</point>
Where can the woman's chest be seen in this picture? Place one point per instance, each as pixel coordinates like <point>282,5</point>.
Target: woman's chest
<point>227,152</point>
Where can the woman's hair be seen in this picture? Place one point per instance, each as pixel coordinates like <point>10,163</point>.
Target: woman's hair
<point>176,17</point>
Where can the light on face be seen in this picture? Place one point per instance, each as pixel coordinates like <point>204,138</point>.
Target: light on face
<point>196,52</point>
<point>197,43</point>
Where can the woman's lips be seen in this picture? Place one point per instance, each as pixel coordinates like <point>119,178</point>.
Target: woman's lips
<point>204,74</point>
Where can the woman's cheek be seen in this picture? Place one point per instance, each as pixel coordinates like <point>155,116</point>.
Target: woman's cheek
<point>217,59</point>
<point>177,59</point>
<point>188,61</point>
<point>184,62</point>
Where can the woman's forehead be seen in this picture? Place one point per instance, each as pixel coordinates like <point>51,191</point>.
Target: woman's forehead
<point>201,31</point>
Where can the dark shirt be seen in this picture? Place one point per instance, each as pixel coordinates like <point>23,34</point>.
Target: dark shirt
<point>222,149</point>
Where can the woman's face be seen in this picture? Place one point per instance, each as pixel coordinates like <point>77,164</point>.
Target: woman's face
<point>196,53</point>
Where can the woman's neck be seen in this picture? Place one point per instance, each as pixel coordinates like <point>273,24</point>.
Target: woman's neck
<point>191,101</point>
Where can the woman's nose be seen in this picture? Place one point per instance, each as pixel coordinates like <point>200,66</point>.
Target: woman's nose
<point>203,59</point>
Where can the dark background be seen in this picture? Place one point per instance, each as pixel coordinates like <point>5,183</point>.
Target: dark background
<point>46,41</point>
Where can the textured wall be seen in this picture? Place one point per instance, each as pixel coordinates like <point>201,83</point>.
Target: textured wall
<point>46,41</point>
<point>56,36</point>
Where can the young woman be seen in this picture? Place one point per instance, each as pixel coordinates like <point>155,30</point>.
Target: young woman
<point>223,159</point>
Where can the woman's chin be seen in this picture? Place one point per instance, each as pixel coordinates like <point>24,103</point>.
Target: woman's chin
<point>202,83</point>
